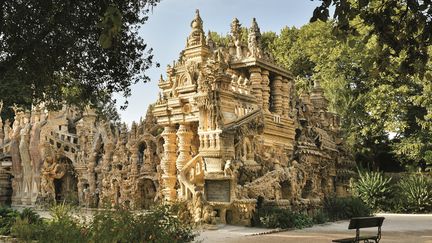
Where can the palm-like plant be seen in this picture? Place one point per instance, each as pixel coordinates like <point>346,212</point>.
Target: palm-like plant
<point>374,189</point>
<point>416,192</point>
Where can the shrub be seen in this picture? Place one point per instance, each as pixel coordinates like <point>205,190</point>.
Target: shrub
<point>28,225</point>
<point>374,189</point>
<point>30,215</point>
<point>282,218</point>
<point>159,225</point>
<point>27,231</point>
<point>62,227</point>
<point>7,219</point>
<point>113,226</point>
<point>168,228</point>
<point>320,217</point>
<point>415,193</point>
<point>338,208</point>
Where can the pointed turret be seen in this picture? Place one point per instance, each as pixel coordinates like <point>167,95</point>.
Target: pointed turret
<point>254,40</point>
<point>317,97</point>
<point>196,48</point>
<point>196,37</point>
<point>210,43</point>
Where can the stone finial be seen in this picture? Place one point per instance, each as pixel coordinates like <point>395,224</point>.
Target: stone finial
<point>196,36</point>
<point>236,29</point>
<point>161,80</point>
<point>210,42</point>
<point>254,40</point>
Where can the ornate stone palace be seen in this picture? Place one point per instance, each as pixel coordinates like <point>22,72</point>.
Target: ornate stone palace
<point>227,130</point>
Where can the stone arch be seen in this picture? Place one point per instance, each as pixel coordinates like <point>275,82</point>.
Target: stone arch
<point>147,192</point>
<point>142,146</point>
<point>66,187</point>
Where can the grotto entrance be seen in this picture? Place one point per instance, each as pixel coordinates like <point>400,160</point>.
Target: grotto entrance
<point>66,189</point>
<point>147,193</point>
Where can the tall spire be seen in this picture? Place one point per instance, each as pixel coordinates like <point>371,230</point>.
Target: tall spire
<point>196,37</point>
<point>254,40</point>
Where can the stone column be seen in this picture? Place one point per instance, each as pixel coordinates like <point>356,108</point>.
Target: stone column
<point>265,90</point>
<point>285,97</point>
<point>276,91</point>
<point>184,134</point>
<point>168,163</point>
<point>256,80</point>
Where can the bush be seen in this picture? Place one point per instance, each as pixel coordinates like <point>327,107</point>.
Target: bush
<point>415,194</point>
<point>282,218</point>
<point>339,208</point>
<point>113,226</point>
<point>168,228</point>
<point>63,227</point>
<point>7,219</point>
<point>30,215</point>
<point>374,189</point>
<point>158,225</point>
<point>320,217</point>
<point>26,231</point>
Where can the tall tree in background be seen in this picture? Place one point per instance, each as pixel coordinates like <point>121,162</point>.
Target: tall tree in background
<point>401,88</point>
<point>78,52</point>
<point>403,27</point>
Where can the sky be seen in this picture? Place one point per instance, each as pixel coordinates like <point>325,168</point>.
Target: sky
<point>169,25</point>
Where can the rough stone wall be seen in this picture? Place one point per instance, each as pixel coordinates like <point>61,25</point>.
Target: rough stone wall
<point>77,157</point>
<point>228,129</point>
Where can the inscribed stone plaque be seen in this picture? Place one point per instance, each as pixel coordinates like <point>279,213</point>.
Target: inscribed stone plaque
<point>218,190</point>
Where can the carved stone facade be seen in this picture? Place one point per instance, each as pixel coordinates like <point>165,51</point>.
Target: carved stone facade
<point>228,128</point>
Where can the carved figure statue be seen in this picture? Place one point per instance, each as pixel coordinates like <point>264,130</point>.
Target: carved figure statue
<point>227,168</point>
<point>51,170</point>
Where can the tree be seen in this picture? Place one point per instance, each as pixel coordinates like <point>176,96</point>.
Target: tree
<point>75,52</point>
<point>403,27</point>
<point>400,90</point>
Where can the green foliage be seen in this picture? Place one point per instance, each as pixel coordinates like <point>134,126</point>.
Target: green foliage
<point>169,228</point>
<point>282,218</point>
<point>339,208</point>
<point>7,219</point>
<point>30,215</point>
<point>78,52</point>
<point>374,189</point>
<point>113,226</point>
<point>320,217</point>
<point>158,225</point>
<point>403,28</point>
<point>415,193</point>
<point>26,231</point>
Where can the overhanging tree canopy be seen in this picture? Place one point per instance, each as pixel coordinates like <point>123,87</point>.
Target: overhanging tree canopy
<point>78,52</point>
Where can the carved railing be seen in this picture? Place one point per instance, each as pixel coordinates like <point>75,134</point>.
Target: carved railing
<point>191,174</point>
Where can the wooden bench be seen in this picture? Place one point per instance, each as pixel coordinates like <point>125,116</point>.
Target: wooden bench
<point>364,222</point>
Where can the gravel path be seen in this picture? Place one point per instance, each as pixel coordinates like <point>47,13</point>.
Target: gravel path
<point>403,228</point>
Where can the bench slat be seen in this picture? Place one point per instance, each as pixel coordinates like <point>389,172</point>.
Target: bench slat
<point>365,222</point>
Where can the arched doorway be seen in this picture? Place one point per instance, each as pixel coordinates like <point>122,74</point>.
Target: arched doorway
<point>66,187</point>
<point>147,192</point>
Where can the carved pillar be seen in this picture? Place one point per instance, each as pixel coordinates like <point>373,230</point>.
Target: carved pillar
<point>285,97</point>
<point>256,79</point>
<point>265,90</point>
<point>185,138</point>
<point>168,163</point>
<point>276,91</point>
